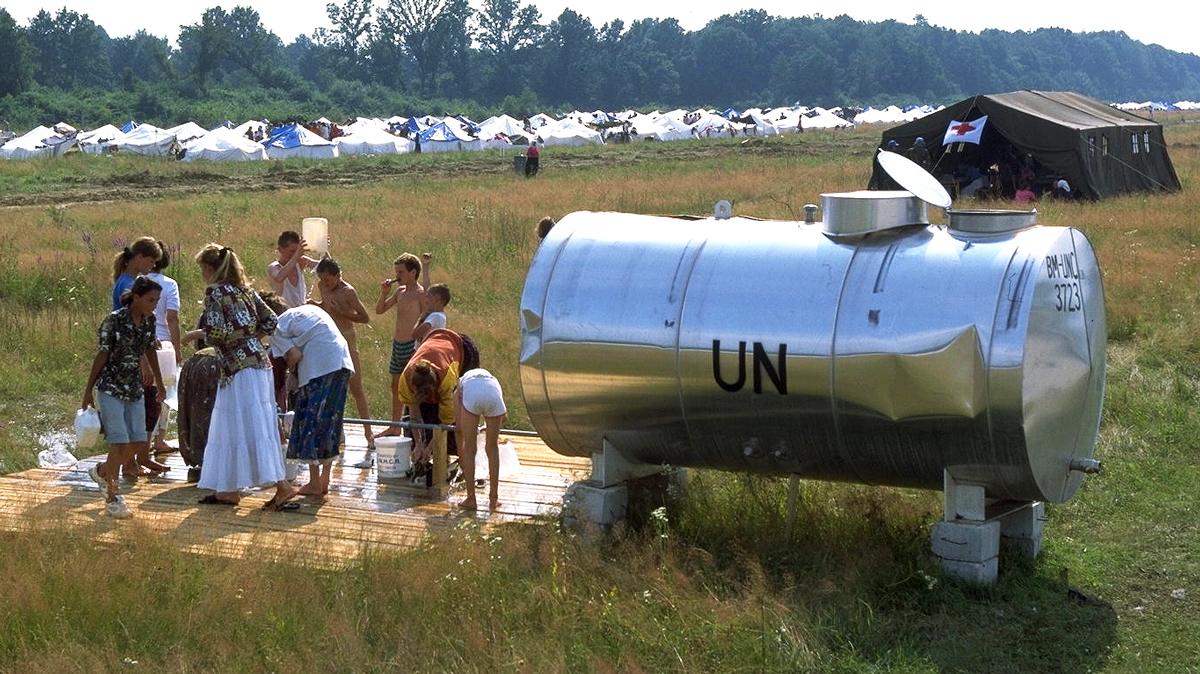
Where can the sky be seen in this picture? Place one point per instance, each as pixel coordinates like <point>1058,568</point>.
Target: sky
<point>1173,26</point>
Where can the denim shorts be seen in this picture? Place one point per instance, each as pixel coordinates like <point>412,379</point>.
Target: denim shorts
<point>124,422</point>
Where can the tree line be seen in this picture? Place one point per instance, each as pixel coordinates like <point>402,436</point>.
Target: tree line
<point>379,57</point>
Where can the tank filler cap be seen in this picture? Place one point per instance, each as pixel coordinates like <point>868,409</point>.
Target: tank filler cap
<point>1089,466</point>
<point>910,176</point>
<point>722,210</point>
<point>810,213</point>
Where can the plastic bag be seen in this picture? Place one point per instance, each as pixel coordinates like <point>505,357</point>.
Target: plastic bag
<point>56,454</point>
<point>510,465</point>
<point>87,428</point>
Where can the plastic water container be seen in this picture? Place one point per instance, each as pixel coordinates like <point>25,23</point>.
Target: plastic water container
<point>167,365</point>
<point>87,428</point>
<point>393,456</point>
<point>316,233</point>
<point>510,465</point>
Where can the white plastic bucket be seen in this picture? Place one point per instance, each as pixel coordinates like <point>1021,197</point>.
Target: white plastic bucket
<point>393,456</point>
<point>316,234</point>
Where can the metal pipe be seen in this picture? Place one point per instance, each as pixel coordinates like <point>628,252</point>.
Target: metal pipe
<point>423,426</point>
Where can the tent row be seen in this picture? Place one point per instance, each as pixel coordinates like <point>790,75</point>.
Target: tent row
<point>1158,106</point>
<point>256,140</point>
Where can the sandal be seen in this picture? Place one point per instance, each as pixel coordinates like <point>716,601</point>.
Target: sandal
<point>289,505</point>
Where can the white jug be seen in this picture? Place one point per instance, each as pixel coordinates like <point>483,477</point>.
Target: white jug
<point>316,234</point>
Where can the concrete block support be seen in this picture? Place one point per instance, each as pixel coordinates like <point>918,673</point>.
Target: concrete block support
<point>967,540</point>
<point>592,509</point>
<point>1023,528</point>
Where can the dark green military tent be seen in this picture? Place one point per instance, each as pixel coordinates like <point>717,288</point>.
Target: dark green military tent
<point>1100,150</point>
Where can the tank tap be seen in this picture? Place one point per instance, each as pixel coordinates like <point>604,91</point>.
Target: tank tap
<point>1089,466</point>
<point>810,213</point>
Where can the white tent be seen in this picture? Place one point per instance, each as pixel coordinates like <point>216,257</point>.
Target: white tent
<point>715,126</point>
<point>101,140</point>
<point>39,142</point>
<point>250,125</point>
<point>147,140</point>
<point>361,123</point>
<point>541,119</point>
<point>223,144</point>
<point>762,126</point>
<point>187,131</point>
<point>825,119</point>
<point>889,115</point>
<point>669,128</point>
<point>508,126</point>
<point>569,133</point>
<point>372,140</point>
<point>294,141</point>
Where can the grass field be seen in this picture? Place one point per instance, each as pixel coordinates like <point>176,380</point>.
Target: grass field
<point>714,584</point>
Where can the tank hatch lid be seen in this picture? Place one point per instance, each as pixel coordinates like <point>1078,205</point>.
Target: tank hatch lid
<point>909,175</point>
<point>991,221</point>
<point>866,211</point>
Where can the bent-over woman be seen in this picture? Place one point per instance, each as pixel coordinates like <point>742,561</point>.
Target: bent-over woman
<point>479,396</point>
<point>311,342</point>
<point>428,381</point>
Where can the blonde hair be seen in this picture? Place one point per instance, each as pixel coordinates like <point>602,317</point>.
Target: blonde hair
<point>423,381</point>
<point>227,268</point>
<point>145,245</point>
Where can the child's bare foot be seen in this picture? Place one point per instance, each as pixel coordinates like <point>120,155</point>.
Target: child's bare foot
<point>493,504</point>
<point>161,447</point>
<point>468,504</point>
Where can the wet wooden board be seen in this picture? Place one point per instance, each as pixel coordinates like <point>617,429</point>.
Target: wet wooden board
<point>361,513</point>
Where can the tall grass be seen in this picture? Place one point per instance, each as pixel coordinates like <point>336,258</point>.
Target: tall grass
<point>713,581</point>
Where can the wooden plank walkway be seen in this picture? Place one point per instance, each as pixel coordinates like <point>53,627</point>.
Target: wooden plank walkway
<point>360,513</point>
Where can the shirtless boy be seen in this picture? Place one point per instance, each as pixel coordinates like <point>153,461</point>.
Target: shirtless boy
<point>403,292</point>
<point>287,272</point>
<point>340,300</point>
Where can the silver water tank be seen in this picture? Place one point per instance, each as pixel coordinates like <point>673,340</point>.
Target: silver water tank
<point>870,347</point>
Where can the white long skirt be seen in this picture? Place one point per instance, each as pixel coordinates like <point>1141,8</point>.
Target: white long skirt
<point>243,447</point>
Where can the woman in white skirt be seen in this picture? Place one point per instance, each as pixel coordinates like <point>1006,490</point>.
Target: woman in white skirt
<point>243,447</point>
<point>479,396</point>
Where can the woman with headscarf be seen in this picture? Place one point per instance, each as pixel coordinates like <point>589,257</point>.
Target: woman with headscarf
<point>243,448</point>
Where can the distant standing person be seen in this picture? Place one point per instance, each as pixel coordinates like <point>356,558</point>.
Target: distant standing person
<point>166,326</point>
<point>532,159</point>
<point>919,154</point>
<point>310,341</point>
<point>341,301</point>
<point>125,337</point>
<point>287,271</point>
<point>243,448</point>
<point>403,292</point>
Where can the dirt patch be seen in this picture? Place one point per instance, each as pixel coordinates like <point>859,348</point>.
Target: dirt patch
<point>148,184</point>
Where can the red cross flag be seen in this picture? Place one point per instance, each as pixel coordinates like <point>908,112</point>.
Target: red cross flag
<point>965,132</point>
